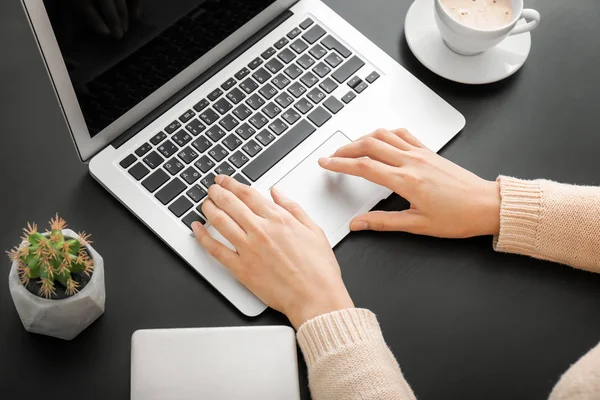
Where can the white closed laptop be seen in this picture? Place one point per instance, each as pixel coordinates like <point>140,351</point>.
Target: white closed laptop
<point>255,89</point>
<point>241,363</point>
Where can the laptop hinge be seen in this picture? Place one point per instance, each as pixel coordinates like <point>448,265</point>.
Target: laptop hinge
<point>205,76</point>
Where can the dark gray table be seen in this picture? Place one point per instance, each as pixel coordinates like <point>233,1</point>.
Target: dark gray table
<point>464,322</point>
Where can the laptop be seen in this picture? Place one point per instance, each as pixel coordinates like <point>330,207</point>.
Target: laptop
<point>254,89</point>
<point>241,363</point>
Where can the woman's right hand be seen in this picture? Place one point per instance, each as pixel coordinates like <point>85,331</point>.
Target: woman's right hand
<point>446,200</point>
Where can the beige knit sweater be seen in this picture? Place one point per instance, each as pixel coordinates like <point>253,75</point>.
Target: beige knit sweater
<point>346,353</point>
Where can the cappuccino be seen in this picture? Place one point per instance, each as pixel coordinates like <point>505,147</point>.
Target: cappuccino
<point>480,14</point>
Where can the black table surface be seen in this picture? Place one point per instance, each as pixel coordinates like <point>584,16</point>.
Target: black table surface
<point>464,322</point>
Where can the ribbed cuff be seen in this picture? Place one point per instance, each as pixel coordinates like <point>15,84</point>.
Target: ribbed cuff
<point>330,332</point>
<point>520,214</point>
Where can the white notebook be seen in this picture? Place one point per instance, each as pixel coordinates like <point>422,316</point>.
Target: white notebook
<point>215,363</point>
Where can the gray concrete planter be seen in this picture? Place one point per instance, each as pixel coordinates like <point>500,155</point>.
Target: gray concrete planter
<point>64,318</point>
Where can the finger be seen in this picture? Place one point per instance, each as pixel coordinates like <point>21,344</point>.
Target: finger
<point>405,135</point>
<point>402,221</point>
<point>364,167</point>
<point>135,6</point>
<point>94,19</point>
<point>233,206</point>
<point>121,7</point>
<point>224,224</point>
<point>390,138</point>
<point>259,204</point>
<point>223,254</point>
<point>293,208</point>
<point>372,148</point>
<point>109,12</point>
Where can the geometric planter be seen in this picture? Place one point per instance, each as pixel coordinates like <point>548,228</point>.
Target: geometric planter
<point>65,318</point>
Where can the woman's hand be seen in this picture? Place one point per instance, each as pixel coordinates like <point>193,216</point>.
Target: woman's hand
<point>281,255</point>
<point>446,200</point>
<point>109,17</point>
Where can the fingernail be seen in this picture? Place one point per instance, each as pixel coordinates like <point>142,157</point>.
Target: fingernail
<point>358,226</point>
<point>274,190</point>
<point>219,179</point>
<point>118,32</point>
<point>324,160</point>
<point>105,30</point>
<point>196,227</point>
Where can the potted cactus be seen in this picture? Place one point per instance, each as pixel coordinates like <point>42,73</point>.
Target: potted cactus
<point>56,281</point>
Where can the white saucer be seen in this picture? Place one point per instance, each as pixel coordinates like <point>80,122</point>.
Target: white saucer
<point>427,45</point>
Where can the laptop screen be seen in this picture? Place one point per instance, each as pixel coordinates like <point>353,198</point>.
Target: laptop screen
<point>118,52</point>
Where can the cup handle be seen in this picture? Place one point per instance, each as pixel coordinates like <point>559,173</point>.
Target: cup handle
<point>528,13</point>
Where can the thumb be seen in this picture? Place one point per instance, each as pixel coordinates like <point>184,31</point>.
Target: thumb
<point>403,221</point>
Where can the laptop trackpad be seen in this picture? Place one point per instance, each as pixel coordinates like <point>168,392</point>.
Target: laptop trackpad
<point>330,198</point>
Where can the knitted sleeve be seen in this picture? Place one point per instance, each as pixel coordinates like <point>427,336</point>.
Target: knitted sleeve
<point>348,358</point>
<point>551,221</point>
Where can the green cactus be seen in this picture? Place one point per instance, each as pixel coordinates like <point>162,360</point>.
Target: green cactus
<point>52,258</point>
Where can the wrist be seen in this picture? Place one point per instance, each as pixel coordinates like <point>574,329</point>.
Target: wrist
<point>489,208</point>
<point>319,304</point>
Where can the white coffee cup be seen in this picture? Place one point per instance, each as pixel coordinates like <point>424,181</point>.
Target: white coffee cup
<point>468,41</point>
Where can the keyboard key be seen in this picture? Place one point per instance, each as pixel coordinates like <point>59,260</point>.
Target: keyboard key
<point>127,161</point>
<point>204,164</point>
<point>268,53</point>
<point>298,46</point>
<point>372,77</point>
<point>286,55</point>
<point>190,175</point>
<point>303,105</point>
<point>305,61</point>
<point>238,159</point>
<point>228,122</point>
<point>333,104</point>
<point>159,137</point>
<point>274,65</point>
<point>215,133</point>
<point>306,23</point>
<point>261,75</point>
<point>278,126</point>
<point>173,126</point>
<point>153,160</point>
<point>348,97</point>
<point>228,84</point>
<point>333,59</point>
<point>215,94</point>
<point>187,155</point>
<point>268,91</point>
<point>354,81</point>
<point>297,89</point>
<point>313,34</point>
<point>245,131</point>
<point>241,179</point>
<point>232,142</point>
<point>316,95</point>
<point>319,116</point>
<point>208,180</point>
<point>293,33</point>
<point>195,127</point>
<point>191,218</point>
<point>242,112</point>
<point>255,101</point>
<point>309,79</point>
<point>173,166</point>
<point>242,73</point>
<point>328,85</point>
<point>333,44</point>
<point>201,144</point>
<point>143,149</point>
<point>218,153</point>
<point>209,116</point>
<point>171,189</point>
<point>255,63</point>
<point>224,169</point>
<point>167,149</point>
<point>138,171</point>
<point>258,120</point>
<point>249,86</point>
<point>236,95</point>
<point>284,100</point>
<point>222,106</point>
<point>181,138</point>
<point>180,206</point>
<point>189,114</point>
<point>318,51</point>
<point>280,81</point>
<point>348,69</point>
<point>293,71</point>
<point>251,148</point>
<point>291,116</point>
<point>201,105</point>
<point>196,193</point>
<point>272,155</point>
<point>321,69</point>
<point>360,87</point>
<point>271,110</point>
<point>280,43</point>
<point>265,137</point>
<point>156,180</point>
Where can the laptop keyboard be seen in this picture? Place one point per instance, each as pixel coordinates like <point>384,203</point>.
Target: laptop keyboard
<point>251,122</point>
